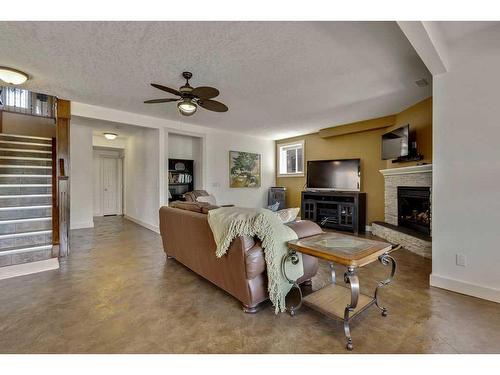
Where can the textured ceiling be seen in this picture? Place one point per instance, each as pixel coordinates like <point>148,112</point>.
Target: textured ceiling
<point>278,78</point>
<point>99,127</point>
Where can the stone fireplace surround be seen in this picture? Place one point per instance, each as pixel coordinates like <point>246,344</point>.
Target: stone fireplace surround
<point>414,176</point>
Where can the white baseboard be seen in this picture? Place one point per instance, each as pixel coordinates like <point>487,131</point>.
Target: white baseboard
<point>152,227</point>
<point>82,225</point>
<point>458,286</point>
<point>28,268</point>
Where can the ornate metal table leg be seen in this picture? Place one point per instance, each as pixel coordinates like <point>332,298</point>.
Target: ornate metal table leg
<point>294,259</point>
<point>350,278</point>
<point>332,271</point>
<point>385,259</point>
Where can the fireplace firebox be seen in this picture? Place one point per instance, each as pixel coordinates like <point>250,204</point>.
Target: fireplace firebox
<point>414,208</point>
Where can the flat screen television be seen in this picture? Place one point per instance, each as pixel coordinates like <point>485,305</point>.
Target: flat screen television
<point>395,143</point>
<point>334,174</point>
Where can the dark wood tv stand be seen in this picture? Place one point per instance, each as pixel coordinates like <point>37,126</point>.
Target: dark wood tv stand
<point>344,210</point>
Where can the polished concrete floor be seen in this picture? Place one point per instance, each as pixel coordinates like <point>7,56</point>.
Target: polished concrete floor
<point>116,293</point>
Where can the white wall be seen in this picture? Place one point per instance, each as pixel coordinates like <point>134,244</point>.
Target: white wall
<point>466,169</point>
<point>142,178</point>
<point>215,153</point>
<point>16,123</point>
<point>81,177</point>
<point>218,145</point>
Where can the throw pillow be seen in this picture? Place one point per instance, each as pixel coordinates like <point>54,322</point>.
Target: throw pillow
<point>210,199</point>
<point>288,214</point>
<point>274,207</point>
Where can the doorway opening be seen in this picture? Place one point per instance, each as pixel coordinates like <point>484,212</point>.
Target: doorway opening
<point>108,181</point>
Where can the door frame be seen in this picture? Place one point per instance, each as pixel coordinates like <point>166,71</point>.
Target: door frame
<point>102,154</point>
<point>119,185</point>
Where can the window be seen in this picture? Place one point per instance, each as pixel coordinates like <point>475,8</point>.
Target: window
<point>291,159</point>
<point>16,97</point>
<point>18,100</point>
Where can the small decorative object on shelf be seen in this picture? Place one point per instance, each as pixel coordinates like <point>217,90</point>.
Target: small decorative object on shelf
<point>179,166</point>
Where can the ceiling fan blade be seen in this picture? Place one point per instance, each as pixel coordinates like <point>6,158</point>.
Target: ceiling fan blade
<point>167,89</point>
<point>205,92</point>
<point>213,105</point>
<point>166,100</point>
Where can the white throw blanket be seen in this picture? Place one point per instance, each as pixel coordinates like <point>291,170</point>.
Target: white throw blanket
<point>227,223</point>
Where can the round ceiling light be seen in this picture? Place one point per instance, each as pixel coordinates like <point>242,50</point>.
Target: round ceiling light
<point>12,76</point>
<point>110,136</point>
<point>187,107</point>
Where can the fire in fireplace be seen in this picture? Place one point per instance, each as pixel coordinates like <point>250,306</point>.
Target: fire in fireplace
<point>414,208</point>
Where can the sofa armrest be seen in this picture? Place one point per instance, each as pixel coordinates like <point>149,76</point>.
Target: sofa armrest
<point>305,228</point>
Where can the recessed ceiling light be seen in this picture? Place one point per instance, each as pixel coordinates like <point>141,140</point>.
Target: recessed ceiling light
<point>110,136</point>
<point>422,82</point>
<point>12,76</point>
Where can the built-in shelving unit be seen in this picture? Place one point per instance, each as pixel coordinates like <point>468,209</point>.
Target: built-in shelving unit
<point>180,178</point>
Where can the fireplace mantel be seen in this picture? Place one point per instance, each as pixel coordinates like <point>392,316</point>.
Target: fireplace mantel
<point>425,168</point>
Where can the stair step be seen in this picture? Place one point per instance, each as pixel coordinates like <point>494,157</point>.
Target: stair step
<point>25,225</point>
<point>26,196</point>
<point>25,200</point>
<point>16,166</point>
<point>26,254</point>
<point>25,234</point>
<point>24,185</point>
<point>25,150</point>
<point>18,250</point>
<point>25,143</point>
<point>24,208</point>
<point>27,220</point>
<point>26,175</point>
<point>23,158</point>
<point>24,136</point>
<point>25,190</point>
<point>28,213</point>
<point>25,239</point>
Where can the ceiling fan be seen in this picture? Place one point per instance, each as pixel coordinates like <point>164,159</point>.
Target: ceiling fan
<point>191,97</point>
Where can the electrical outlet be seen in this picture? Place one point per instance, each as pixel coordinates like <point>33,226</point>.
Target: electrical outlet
<point>461,260</point>
<point>215,184</point>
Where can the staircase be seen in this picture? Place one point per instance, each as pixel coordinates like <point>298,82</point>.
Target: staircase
<point>25,199</point>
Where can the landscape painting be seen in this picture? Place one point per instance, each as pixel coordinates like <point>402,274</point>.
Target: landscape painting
<point>244,169</point>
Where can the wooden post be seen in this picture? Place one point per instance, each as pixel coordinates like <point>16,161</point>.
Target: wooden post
<point>62,165</point>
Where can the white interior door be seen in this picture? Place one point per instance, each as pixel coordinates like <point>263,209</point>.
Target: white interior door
<point>110,193</point>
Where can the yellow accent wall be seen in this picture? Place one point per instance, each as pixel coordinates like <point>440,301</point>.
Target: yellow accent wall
<point>365,145</point>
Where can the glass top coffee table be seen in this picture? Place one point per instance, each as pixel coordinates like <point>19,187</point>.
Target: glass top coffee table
<point>337,301</point>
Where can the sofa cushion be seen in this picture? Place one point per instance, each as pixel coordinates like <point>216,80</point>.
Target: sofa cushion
<point>189,206</point>
<point>254,262</point>
<point>208,207</point>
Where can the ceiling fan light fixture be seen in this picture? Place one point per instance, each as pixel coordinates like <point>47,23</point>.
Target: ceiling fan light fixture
<point>110,136</point>
<point>187,107</point>
<point>12,76</point>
